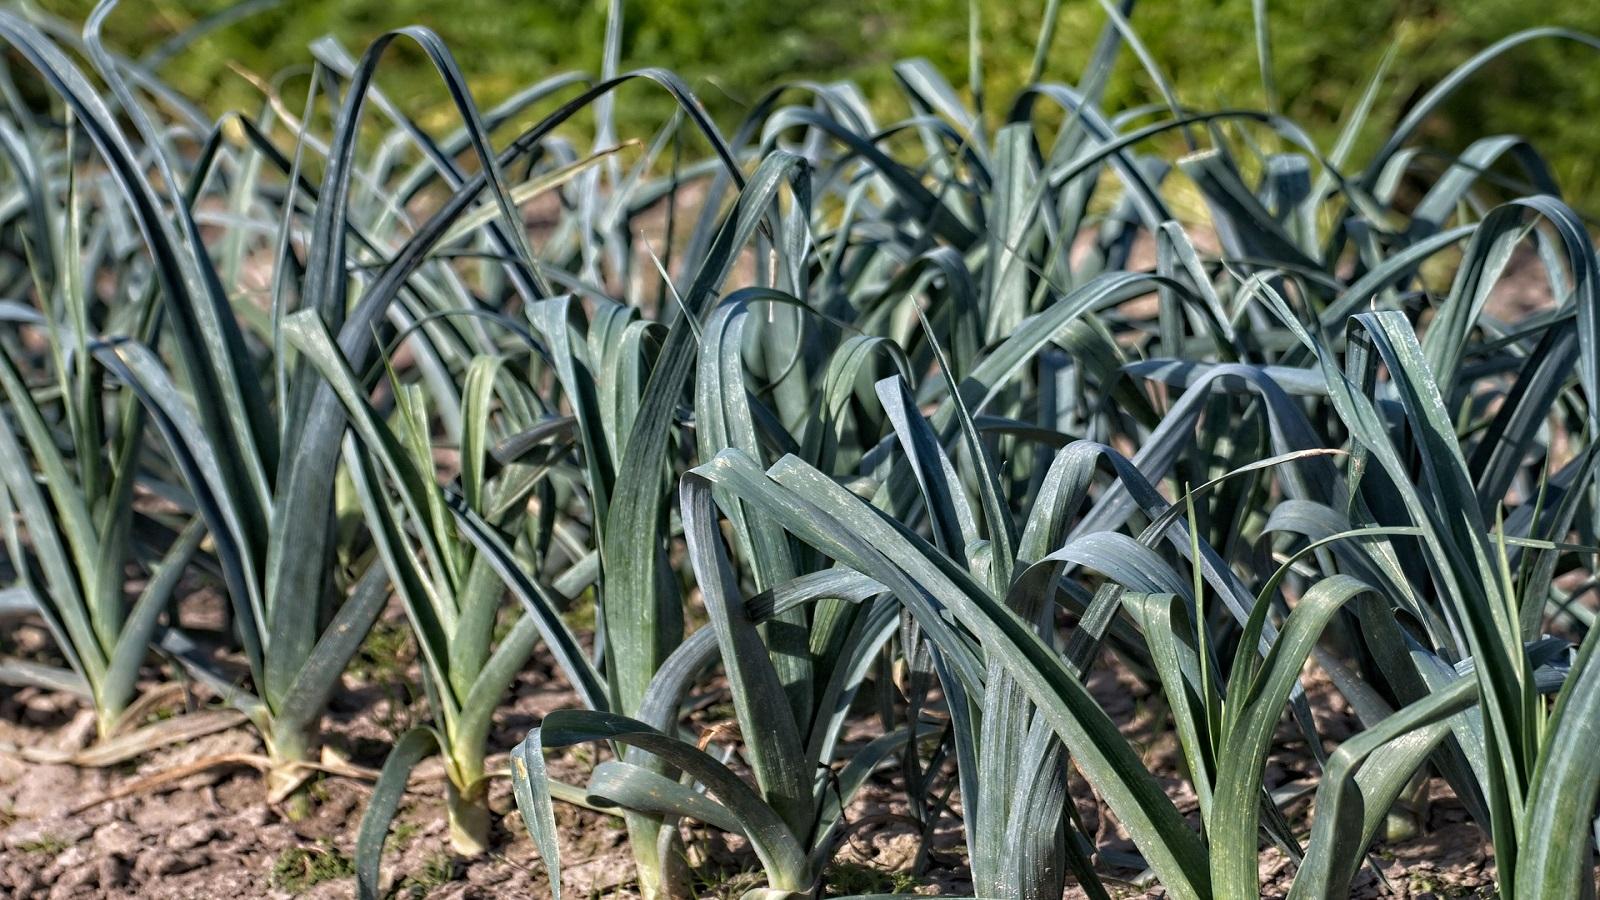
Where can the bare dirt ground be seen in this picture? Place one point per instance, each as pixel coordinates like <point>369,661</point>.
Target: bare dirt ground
<point>213,835</point>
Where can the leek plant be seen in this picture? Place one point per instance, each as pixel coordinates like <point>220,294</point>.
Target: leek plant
<point>980,555</point>
<point>216,428</point>
<point>70,448</point>
<point>928,412</point>
<point>269,515</point>
<point>451,591</point>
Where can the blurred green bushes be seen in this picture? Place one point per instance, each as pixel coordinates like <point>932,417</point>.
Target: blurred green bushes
<point>1324,53</point>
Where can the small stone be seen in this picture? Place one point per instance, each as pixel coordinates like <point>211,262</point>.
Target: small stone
<point>192,835</point>
<point>118,838</point>
<point>113,872</point>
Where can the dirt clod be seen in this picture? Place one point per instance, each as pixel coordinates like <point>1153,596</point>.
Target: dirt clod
<point>192,835</point>
<point>74,880</point>
<point>158,863</point>
<point>45,835</point>
<point>117,839</point>
<point>113,872</point>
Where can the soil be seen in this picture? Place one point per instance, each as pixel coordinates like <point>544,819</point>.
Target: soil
<point>213,835</point>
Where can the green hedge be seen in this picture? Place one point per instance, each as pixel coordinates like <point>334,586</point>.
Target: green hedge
<point>1324,50</point>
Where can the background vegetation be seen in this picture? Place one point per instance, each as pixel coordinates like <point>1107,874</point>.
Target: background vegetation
<point>730,50</point>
